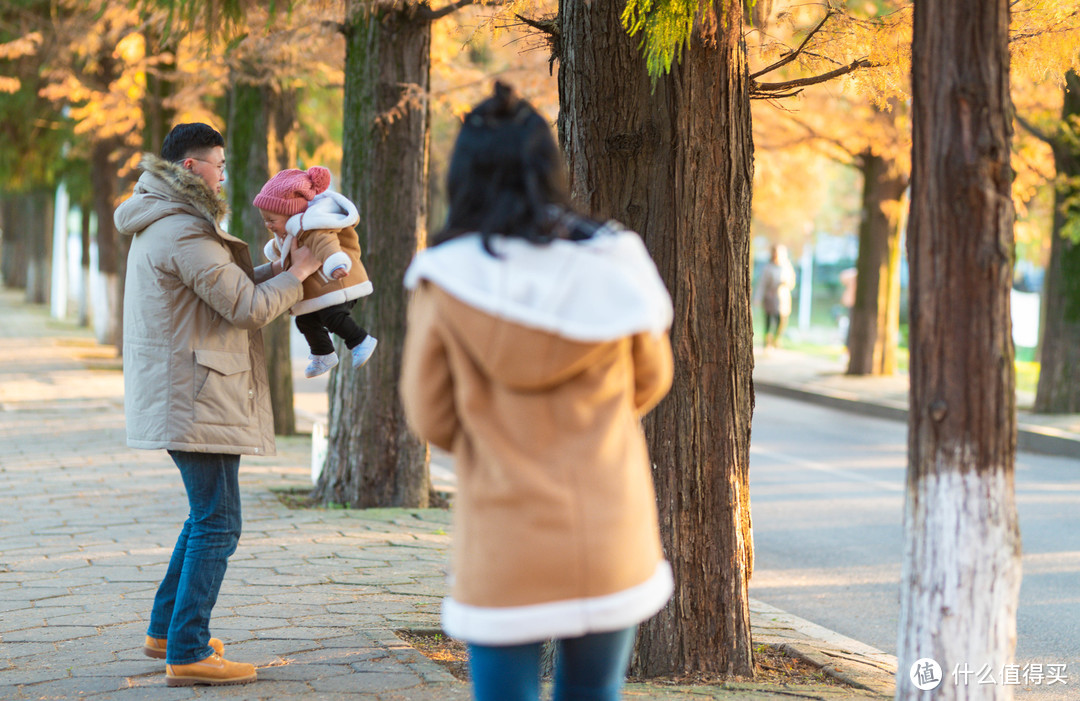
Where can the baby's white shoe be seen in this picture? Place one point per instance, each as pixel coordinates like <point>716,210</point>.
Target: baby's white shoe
<point>362,353</point>
<point>320,364</point>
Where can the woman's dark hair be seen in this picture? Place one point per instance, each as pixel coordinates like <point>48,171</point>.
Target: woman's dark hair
<point>186,139</point>
<point>507,176</point>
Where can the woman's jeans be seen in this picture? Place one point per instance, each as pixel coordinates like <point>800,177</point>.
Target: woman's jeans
<point>189,591</point>
<point>589,668</point>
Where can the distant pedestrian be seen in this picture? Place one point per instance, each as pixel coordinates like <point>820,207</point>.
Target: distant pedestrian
<point>195,378</point>
<point>298,209</point>
<point>537,339</point>
<point>774,292</point>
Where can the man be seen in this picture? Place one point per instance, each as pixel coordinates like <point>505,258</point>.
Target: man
<point>195,379</point>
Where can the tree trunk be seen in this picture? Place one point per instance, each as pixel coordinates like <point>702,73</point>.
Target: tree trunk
<point>1058,391</point>
<point>103,185</point>
<point>160,86</point>
<point>37,218</point>
<point>84,264</point>
<point>875,318</point>
<point>373,459</point>
<point>13,255</point>
<point>250,110</point>
<point>676,164</point>
<point>961,567</point>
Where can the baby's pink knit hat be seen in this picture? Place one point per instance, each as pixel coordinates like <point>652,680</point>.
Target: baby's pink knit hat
<point>289,191</point>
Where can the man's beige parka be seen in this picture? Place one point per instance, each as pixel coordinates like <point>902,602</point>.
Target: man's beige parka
<point>194,371</point>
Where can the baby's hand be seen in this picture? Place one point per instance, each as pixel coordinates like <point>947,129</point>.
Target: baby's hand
<point>338,273</point>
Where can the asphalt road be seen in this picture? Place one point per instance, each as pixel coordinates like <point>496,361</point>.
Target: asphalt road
<point>827,496</point>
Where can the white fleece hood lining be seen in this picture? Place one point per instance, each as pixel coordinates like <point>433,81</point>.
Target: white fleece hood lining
<point>596,290</point>
<point>327,210</point>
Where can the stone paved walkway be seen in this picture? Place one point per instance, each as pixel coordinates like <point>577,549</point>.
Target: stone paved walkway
<point>312,597</point>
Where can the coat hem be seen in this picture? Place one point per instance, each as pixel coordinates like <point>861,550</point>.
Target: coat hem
<point>331,298</point>
<point>201,447</point>
<point>517,625</point>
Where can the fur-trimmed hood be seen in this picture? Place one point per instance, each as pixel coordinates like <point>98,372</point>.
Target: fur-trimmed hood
<point>164,189</point>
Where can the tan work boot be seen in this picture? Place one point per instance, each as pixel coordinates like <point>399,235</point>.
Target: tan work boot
<point>215,670</point>
<point>155,647</point>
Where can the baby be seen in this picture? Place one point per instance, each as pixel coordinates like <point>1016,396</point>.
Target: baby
<point>298,210</point>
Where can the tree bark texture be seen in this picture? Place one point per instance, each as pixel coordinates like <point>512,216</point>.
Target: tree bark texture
<point>250,110</point>
<point>103,185</point>
<point>13,261</point>
<point>676,164</point>
<point>1058,391</point>
<point>961,567</point>
<point>158,116</point>
<point>875,318</point>
<point>84,293</point>
<point>36,215</point>
<point>372,458</point>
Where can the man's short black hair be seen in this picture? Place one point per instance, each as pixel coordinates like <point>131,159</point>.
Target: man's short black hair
<point>185,139</point>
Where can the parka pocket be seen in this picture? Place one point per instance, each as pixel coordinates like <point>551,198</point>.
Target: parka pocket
<point>224,393</point>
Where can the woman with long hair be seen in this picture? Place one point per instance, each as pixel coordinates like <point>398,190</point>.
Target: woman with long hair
<point>537,339</point>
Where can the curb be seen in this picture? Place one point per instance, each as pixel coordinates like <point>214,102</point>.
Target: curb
<point>840,657</point>
<point>1029,438</point>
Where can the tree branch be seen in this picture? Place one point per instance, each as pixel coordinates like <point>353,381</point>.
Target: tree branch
<point>426,13</point>
<point>1035,131</point>
<point>547,26</point>
<point>794,87</point>
<point>794,54</point>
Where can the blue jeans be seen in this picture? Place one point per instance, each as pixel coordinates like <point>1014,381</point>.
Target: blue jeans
<point>189,591</point>
<point>589,668</point>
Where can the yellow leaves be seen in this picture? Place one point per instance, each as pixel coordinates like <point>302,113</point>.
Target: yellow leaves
<point>9,85</point>
<point>131,49</point>
<point>23,46</point>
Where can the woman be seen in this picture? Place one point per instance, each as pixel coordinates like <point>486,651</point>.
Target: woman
<point>774,290</point>
<point>537,339</point>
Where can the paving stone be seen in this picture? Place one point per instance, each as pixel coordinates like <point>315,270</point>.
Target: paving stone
<point>242,622</point>
<point>52,634</point>
<point>300,633</point>
<point>366,683</point>
<point>25,675</point>
<point>303,672</point>
<point>277,611</point>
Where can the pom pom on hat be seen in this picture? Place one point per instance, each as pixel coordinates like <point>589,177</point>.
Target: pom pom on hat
<point>289,191</point>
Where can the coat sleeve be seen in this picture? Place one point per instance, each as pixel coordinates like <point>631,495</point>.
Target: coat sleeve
<point>427,385</point>
<point>653,370</point>
<point>206,265</point>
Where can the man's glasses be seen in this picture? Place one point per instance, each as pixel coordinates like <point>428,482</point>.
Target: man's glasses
<point>220,168</point>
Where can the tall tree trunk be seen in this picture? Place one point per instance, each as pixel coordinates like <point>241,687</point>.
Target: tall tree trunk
<point>13,254</point>
<point>677,165</point>
<point>875,318</point>
<point>1058,391</point>
<point>103,186</point>
<point>158,115</point>
<point>37,218</point>
<point>84,263</point>
<point>277,336</point>
<point>961,567</point>
<point>373,459</point>
<point>251,111</point>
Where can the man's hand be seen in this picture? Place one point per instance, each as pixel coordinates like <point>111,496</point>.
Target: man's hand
<point>304,262</point>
